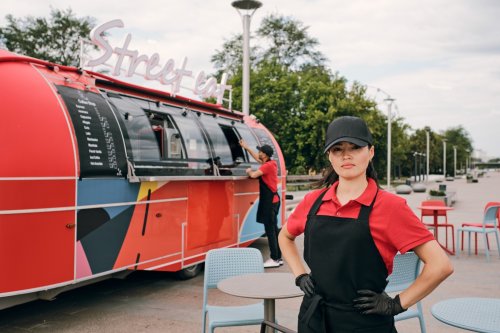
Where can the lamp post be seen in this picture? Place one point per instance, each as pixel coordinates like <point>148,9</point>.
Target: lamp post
<point>415,169</point>
<point>427,137</point>
<point>454,161</point>
<point>444,158</point>
<point>421,165</point>
<point>467,162</point>
<point>246,9</point>
<point>389,101</point>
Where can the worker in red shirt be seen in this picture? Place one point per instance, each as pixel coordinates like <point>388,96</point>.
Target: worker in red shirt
<point>352,232</point>
<point>269,200</point>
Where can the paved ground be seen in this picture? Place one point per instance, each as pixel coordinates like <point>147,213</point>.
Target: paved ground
<point>156,302</point>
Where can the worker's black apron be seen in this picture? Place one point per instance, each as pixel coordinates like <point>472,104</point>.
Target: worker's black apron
<point>266,214</point>
<point>343,258</point>
<point>266,210</point>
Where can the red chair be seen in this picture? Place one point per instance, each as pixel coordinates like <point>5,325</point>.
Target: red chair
<point>446,225</point>
<point>475,224</point>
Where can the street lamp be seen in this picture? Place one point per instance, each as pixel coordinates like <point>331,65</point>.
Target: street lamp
<point>389,101</point>
<point>454,161</point>
<point>444,158</point>
<point>246,9</point>
<point>421,165</point>
<point>427,134</point>
<point>415,169</point>
<point>467,161</point>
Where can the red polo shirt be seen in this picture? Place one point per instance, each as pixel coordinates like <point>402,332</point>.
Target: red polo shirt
<point>393,225</point>
<point>270,176</point>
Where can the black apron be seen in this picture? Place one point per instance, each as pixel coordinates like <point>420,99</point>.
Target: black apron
<point>266,210</point>
<point>343,258</point>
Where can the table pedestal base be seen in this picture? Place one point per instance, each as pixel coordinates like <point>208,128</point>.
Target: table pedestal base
<point>269,313</point>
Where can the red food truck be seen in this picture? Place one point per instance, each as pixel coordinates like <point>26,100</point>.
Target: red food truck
<point>100,177</point>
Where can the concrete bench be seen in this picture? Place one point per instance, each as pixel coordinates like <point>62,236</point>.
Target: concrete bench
<point>450,198</point>
<point>403,189</point>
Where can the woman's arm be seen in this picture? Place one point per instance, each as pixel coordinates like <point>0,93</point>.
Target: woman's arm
<point>437,267</point>
<point>290,252</point>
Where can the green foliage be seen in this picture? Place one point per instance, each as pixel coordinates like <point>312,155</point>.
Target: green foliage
<point>459,138</point>
<point>55,39</point>
<point>289,42</point>
<point>293,93</point>
<point>437,193</point>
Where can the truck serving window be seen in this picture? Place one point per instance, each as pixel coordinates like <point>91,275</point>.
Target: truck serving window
<point>191,134</point>
<point>246,134</point>
<point>141,136</point>
<point>234,144</point>
<point>167,136</point>
<point>218,141</point>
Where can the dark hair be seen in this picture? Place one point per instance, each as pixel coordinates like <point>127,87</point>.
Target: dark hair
<point>330,176</point>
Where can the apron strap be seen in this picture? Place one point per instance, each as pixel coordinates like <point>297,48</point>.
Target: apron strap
<point>315,207</point>
<point>365,211</point>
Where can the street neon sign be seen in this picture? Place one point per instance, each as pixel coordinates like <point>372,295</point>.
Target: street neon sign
<point>166,73</point>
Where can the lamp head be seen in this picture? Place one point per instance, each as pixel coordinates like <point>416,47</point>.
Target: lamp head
<point>246,4</point>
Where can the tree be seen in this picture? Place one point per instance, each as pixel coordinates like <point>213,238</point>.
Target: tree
<point>279,39</point>
<point>456,137</point>
<point>293,93</point>
<point>56,39</point>
<point>229,58</point>
<point>288,42</point>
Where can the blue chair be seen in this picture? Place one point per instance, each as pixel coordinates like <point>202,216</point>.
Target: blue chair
<point>488,226</point>
<point>405,271</point>
<point>224,263</point>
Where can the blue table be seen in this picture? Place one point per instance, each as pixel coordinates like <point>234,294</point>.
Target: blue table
<point>471,313</point>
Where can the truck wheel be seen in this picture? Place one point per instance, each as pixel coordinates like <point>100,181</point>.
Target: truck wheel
<point>189,272</point>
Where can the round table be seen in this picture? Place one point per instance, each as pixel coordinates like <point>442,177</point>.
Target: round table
<point>266,286</point>
<point>470,313</point>
<point>435,225</point>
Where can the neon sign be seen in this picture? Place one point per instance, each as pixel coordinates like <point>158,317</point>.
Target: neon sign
<point>166,74</point>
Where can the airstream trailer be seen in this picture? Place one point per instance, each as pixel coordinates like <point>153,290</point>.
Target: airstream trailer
<point>99,178</point>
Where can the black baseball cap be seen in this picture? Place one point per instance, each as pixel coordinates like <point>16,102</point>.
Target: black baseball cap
<point>350,129</point>
<point>266,149</point>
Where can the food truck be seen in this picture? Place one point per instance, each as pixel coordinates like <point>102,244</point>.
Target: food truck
<point>99,178</point>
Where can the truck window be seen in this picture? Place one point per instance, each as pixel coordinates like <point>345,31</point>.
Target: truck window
<point>141,136</point>
<point>234,144</point>
<point>194,140</point>
<point>250,139</point>
<point>167,136</point>
<point>218,141</point>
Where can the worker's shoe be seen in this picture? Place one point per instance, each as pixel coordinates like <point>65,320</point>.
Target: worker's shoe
<point>270,263</point>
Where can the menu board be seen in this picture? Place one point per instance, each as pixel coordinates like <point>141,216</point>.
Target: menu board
<point>100,142</point>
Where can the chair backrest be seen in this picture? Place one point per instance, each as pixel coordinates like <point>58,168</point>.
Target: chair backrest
<point>406,268</point>
<point>428,212</point>
<point>491,213</point>
<point>493,203</point>
<point>223,263</point>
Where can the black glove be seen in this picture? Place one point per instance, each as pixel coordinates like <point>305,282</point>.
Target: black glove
<point>305,283</point>
<point>382,304</point>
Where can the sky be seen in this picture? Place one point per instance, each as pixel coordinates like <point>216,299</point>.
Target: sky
<point>439,59</point>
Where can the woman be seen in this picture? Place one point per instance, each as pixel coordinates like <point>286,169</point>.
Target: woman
<point>352,231</point>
